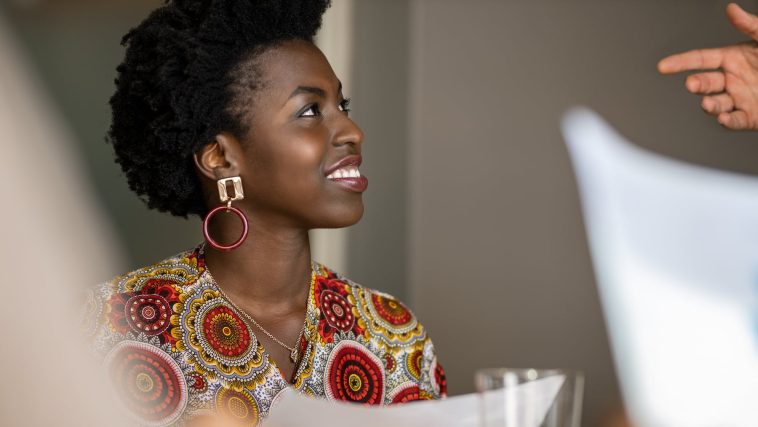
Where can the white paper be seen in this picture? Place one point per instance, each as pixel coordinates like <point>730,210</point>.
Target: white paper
<point>675,249</point>
<point>524,405</point>
<point>295,410</point>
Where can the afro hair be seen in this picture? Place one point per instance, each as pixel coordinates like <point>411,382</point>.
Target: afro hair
<point>180,81</point>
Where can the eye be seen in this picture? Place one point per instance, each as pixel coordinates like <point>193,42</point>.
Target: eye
<point>312,110</point>
<point>345,105</point>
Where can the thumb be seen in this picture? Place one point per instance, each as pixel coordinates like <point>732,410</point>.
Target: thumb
<point>747,23</point>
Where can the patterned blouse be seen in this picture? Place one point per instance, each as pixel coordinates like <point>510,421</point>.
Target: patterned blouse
<point>176,348</point>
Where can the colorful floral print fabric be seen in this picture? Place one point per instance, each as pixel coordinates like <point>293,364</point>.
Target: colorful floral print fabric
<point>176,348</point>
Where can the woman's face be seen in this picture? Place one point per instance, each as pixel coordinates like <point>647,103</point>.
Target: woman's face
<point>302,150</point>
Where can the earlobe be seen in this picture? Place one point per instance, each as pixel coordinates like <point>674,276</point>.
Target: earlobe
<point>220,158</point>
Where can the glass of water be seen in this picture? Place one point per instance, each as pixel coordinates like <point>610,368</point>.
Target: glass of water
<point>511,397</point>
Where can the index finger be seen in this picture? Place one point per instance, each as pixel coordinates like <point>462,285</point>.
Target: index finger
<point>698,59</point>
<point>743,21</point>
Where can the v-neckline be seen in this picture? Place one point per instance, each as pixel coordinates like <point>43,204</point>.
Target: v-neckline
<point>310,305</point>
<point>305,336</point>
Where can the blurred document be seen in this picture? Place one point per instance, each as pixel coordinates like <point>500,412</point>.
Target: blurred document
<point>675,250</point>
<point>295,410</point>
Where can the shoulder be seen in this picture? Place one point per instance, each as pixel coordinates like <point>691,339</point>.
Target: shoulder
<point>134,331</point>
<point>140,302</point>
<point>181,269</point>
<point>390,333</point>
<point>378,314</point>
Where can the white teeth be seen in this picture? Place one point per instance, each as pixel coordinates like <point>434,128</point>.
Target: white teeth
<point>346,172</point>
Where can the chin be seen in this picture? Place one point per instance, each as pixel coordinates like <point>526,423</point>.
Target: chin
<point>344,216</point>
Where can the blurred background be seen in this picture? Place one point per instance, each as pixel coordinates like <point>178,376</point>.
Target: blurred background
<point>473,216</point>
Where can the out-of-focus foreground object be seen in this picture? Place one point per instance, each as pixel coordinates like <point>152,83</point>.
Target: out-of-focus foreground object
<point>54,244</point>
<point>675,251</point>
<point>293,409</point>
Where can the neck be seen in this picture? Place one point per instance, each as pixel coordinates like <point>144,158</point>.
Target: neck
<point>270,271</point>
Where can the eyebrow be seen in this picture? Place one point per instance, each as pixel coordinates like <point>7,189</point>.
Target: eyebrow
<point>312,89</point>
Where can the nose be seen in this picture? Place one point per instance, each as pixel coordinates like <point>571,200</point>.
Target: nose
<point>347,132</point>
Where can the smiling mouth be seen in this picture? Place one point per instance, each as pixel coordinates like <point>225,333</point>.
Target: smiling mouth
<point>349,178</point>
<point>345,172</point>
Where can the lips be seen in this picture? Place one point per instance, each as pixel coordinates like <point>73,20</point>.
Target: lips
<point>345,173</point>
<point>352,160</point>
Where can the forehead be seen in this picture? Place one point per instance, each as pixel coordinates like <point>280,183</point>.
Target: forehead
<point>295,63</point>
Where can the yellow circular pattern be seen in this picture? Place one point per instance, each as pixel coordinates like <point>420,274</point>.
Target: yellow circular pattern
<point>144,382</point>
<point>355,382</point>
<point>237,407</point>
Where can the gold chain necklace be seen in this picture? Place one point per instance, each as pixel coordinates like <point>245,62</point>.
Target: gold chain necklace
<point>294,351</point>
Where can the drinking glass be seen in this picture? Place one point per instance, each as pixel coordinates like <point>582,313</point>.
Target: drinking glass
<point>511,397</point>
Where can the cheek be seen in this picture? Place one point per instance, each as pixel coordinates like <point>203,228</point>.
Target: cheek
<point>299,163</point>
<point>287,177</point>
<point>289,168</point>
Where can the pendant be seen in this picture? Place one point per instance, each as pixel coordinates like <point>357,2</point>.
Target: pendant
<point>294,355</point>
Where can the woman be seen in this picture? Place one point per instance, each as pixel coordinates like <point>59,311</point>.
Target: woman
<point>227,110</point>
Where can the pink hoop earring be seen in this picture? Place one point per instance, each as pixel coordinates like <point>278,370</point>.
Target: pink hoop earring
<point>224,196</point>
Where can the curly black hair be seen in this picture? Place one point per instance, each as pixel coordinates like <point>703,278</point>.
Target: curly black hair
<point>186,69</point>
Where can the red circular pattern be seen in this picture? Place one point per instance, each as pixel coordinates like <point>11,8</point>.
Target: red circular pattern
<point>148,313</point>
<point>391,310</point>
<point>149,382</point>
<point>337,310</point>
<point>406,392</point>
<point>162,287</point>
<point>226,332</point>
<point>199,383</point>
<point>354,374</point>
<point>389,362</point>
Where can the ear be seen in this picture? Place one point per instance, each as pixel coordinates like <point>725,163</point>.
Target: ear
<point>221,158</point>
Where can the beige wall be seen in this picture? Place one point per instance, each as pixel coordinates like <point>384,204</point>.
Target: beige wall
<point>499,266</point>
<point>377,255</point>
